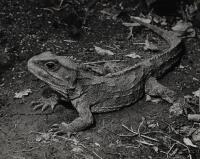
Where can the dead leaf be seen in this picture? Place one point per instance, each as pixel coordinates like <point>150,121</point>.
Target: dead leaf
<point>187,130</point>
<point>195,79</point>
<point>196,135</point>
<point>164,22</point>
<point>150,46</point>
<point>154,125</point>
<point>194,117</point>
<point>152,99</point>
<point>44,137</point>
<point>188,142</point>
<point>148,98</point>
<point>176,109</point>
<point>196,93</point>
<point>181,26</point>
<point>97,144</point>
<point>38,138</point>
<point>77,149</point>
<point>181,67</point>
<point>185,29</point>
<point>187,96</point>
<point>130,34</point>
<point>133,55</point>
<point>145,20</point>
<point>111,13</point>
<point>155,148</point>
<point>22,93</point>
<point>101,51</point>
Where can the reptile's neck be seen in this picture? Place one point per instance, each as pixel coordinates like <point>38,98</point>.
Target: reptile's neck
<point>85,78</point>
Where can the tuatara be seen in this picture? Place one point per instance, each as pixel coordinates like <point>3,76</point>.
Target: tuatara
<point>104,90</point>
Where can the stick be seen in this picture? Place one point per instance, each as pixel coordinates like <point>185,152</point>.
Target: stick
<point>144,136</point>
<point>199,99</point>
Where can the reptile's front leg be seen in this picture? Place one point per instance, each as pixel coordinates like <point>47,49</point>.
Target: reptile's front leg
<point>84,120</point>
<point>154,88</point>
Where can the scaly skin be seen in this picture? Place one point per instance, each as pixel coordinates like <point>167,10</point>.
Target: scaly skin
<point>92,91</point>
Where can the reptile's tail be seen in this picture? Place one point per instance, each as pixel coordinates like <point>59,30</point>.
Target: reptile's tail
<point>159,64</point>
<point>170,36</point>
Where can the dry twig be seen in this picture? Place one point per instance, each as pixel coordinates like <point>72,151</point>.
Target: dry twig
<point>176,141</point>
<point>168,152</point>
<point>141,135</point>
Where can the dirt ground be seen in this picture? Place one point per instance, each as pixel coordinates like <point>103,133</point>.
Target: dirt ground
<point>27,29</point>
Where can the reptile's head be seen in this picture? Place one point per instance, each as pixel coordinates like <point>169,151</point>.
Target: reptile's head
<point>59,72</point>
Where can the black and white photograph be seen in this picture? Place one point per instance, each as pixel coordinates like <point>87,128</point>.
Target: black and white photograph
<point>99,79</point>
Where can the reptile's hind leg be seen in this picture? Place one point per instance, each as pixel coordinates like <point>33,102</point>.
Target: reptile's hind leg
<point>154,88</point>
<point>84,120</point>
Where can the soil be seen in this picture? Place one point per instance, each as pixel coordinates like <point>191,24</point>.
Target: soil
<point>26,29</point>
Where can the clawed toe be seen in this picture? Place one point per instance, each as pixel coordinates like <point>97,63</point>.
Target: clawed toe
<point>44,103</point>
<point>60,129</point>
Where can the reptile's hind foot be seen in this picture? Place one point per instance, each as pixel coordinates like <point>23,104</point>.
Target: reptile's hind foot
<point>62,128</point>
<point>154,88</point>
<point>180,105</point>
<point>44,103</point>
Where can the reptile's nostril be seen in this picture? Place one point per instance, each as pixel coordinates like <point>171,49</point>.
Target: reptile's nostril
<point>30,64</point>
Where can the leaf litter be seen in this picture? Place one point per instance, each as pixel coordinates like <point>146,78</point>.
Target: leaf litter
<point>23,93</point>
<point>133,55</point>
<point>101,51</point>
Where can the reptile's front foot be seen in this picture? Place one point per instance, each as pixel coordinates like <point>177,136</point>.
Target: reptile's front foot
<point>44,103</point>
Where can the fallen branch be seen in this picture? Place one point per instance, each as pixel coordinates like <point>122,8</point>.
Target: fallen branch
<point>141,135</point>
<point>177,142</point>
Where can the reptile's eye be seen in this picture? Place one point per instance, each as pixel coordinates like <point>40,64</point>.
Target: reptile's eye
<point>51,65</point>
